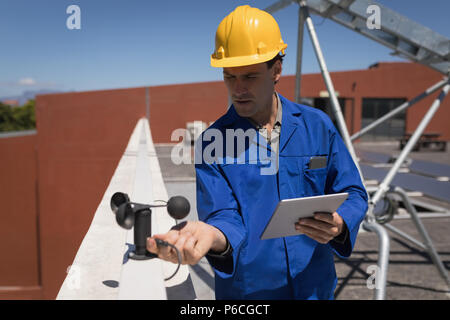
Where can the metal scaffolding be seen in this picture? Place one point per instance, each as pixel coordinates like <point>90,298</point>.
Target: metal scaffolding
<point>409,40</point>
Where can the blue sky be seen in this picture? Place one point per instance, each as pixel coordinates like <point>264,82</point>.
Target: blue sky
<point>132,43</point>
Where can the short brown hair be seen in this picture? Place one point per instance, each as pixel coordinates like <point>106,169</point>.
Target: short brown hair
<point>270,63</point>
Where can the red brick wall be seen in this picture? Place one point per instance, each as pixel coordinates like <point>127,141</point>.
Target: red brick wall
<point>19,245</point>
<point>171,107</point>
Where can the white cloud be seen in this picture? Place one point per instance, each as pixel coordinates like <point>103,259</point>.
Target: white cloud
<point>27,82</point>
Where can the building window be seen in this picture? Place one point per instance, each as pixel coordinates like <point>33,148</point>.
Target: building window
<point>375,108</point>
<point>324,104</point>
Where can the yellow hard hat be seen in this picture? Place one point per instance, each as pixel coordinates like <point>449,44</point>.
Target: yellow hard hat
<point>246,36</point>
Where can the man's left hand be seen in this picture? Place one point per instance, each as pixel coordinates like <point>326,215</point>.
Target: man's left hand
<point>322,228</point>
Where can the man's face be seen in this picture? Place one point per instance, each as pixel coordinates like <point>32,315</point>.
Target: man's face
<point>251,87</point>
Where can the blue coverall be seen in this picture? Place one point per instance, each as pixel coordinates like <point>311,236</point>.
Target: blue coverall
<point>236,198</point>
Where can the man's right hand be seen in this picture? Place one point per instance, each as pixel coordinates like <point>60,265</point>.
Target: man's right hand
<point>193,239</point>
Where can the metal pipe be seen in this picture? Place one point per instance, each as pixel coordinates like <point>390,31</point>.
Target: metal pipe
<point>383,257</point>
<point>384,186</point>
<point>329,84</point>
<point>427,215</point>
<point>421,228</point>
<point>298,73</point>
<point>404,235</point>
<point>400,108</point>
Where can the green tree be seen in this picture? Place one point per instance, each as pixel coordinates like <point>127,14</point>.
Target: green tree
<point>24,117</point>
<point>6,118</point>
<point>17,118</point>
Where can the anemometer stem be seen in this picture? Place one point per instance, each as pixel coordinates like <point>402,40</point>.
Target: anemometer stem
<point>142,230</point>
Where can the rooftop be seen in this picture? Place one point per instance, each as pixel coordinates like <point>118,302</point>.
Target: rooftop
<point>107,273</point>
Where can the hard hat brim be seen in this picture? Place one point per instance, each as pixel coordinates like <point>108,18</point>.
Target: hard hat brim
<point>244,60</point>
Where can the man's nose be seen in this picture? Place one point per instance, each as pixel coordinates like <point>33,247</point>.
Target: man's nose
<point>240,87</point>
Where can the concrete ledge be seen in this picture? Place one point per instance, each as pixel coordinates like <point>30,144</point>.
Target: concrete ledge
<point>13,134</point>
<point>101,269</point>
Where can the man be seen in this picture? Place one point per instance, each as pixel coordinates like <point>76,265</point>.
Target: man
<point>235,197</point>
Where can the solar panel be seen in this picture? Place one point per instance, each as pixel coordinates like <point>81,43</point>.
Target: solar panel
<point>430,168</point>
<point>373,156</point>
<point>419,166</point>
<point>410,181</point>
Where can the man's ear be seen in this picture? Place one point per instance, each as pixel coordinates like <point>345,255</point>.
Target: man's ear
<point>276,71</point>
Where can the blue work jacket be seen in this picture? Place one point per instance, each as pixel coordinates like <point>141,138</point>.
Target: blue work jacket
<point>234,196</point>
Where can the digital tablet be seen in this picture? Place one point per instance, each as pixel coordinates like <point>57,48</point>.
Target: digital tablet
<point>288,211</point>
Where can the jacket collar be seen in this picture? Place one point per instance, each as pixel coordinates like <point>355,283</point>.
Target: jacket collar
<point>289,122</point>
